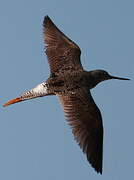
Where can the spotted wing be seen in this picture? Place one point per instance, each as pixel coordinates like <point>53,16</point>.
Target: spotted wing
<point>63,54</point>
<point>85,119</point>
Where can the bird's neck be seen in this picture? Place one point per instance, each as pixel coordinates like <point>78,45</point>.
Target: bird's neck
<point>93,80</point>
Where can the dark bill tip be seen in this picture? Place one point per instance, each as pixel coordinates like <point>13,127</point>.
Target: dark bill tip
<point>114,77</point>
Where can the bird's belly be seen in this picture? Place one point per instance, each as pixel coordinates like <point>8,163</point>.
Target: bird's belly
<point>67,84</point>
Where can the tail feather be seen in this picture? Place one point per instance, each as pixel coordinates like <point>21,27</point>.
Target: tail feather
<point>39,91</point>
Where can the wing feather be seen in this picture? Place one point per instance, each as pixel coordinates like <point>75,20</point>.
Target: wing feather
<point>63,54</point>
<point>85,119</point>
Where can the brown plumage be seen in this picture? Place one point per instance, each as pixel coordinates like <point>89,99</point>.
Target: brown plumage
<point>63,54</point>
<point>71,84</point>
<point>86,122</point>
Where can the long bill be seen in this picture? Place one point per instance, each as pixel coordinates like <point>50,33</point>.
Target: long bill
<point>115,77</point>
<point>38,91</point>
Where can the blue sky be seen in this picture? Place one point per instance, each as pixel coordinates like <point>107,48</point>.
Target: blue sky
<point>35,140</point>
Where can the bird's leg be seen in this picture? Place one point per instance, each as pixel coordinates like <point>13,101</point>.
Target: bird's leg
<point>40,90</point>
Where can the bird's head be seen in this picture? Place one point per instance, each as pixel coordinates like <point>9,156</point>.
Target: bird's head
<point>101,75</point>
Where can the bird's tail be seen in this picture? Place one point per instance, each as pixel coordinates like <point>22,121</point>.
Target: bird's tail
<point>38,91</point>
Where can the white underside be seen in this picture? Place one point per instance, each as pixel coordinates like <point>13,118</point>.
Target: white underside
<point>39,90</point>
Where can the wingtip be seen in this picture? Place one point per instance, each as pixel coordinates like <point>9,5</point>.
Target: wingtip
<point>12,102</point>
<point>97,165</point>
<point>98,170</point>
<point>46,17</point>
<point>46,20</point>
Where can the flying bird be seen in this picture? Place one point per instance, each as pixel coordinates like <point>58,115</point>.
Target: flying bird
<point>72,84</point>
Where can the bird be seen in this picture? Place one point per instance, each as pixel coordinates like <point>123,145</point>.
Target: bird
<point>72,85</point>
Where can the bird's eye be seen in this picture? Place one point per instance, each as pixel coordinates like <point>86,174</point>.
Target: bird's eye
<point>105,73</point>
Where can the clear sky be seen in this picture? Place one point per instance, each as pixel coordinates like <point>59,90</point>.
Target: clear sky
<point>35,140</point>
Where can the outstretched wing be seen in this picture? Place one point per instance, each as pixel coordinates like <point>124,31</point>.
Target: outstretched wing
<point>85,119</point>
<point>63,54</point>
